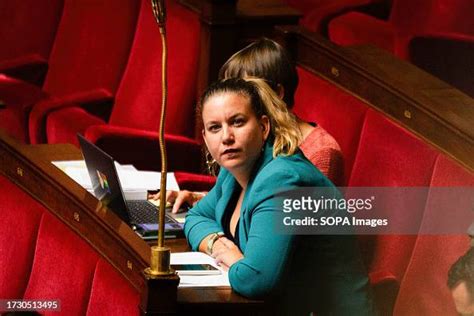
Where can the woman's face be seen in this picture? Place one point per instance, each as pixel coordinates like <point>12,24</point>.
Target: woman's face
<point>233,134</point>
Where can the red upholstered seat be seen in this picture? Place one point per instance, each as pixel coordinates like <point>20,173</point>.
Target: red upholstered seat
<point>41,258</point>
<point>423,290</point>
<point>14,119</point>
<point>20,224</point>
<point>85,58</point>
<point>63,267</point>
<point>133,125</point>
<point>407,19</point>
<point>194,182</point>
<point>92,55</point>
<point>317,18</point>
<point>338,112</point>
<point>317,13</point>
<point>122,300</point>
<point>390,156</point>
<point>27,35</point>
<point>62,131</point>
<point>453,16</point>
<point>347,29</point>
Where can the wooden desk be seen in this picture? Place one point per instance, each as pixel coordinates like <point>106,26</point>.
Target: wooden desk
<point>29,166</point>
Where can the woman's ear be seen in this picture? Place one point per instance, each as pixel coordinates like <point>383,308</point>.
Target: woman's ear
<point>265,124</point>
<point>280,91</point>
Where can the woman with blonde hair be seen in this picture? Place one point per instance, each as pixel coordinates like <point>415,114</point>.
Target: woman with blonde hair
<point>252,136</point>
<point>268,60</point>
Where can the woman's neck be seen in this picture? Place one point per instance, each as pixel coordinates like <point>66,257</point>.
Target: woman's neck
<point>242,179</point>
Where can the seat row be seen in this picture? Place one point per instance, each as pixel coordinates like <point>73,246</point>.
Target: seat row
<point>104,81</point>
<point>380,153</point>
<point>408,272</point>
<point>435,35</point>
<point>48,260</point>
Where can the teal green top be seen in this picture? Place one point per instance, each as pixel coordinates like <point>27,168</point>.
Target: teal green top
<point>305,273</point>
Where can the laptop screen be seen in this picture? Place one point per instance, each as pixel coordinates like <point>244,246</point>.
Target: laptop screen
<point>104,178</point>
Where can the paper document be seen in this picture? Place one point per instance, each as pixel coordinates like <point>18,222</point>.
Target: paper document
<point>135,183</point>
<point>199,280</point>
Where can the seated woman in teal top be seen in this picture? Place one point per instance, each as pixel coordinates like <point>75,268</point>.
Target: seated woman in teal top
<point>254,139</point>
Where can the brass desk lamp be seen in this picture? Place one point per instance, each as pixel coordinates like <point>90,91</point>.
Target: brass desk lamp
<point>160,255</point>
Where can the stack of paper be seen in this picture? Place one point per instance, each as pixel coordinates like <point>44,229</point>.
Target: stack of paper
<point>199,280</point>
<point>135,183</point>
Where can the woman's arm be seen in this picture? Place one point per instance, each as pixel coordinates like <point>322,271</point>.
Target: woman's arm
<point>201,219</point>
<point>265,257</point>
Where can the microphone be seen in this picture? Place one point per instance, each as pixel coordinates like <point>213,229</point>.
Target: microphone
<point>159,11</point>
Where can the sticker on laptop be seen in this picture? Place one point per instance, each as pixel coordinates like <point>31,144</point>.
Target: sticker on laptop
<point>104,184</point>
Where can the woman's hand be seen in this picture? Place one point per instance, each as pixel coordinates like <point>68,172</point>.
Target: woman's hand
<point>226,253</point>
<point>179,198</point>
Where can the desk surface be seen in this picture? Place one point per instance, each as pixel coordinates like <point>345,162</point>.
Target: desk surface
<point>188,298</point>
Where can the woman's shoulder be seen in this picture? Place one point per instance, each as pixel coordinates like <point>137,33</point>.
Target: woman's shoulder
<point>318,139</point>
<point>325,153</point>
<point>285,174</point>
<point>292,170</point>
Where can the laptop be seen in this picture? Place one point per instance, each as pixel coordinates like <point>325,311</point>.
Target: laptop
<point>141,215</point>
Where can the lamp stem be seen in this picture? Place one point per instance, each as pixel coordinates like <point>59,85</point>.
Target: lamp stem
<point>160,255</point>
<point>164,162</point>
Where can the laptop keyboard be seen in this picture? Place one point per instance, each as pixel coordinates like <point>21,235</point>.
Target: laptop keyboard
<point>142,212</point>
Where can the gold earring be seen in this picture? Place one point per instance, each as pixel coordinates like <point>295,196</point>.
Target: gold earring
<point>212,166</point>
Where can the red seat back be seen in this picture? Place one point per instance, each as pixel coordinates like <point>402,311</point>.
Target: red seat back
<point>92,45</point>
<point>433,15</point>
<point>317,17</point>
<point>19,222</point>
<point>407,15</point>
<point>138,101</point>
<point>63,267</point>
<point>423,290</point>
<point>28,27</point>
<point>123,300</point>
<point>338,112</point>
<point>454,16</point>
<point>390,156</point>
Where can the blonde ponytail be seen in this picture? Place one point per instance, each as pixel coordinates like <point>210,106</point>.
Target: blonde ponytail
<point>283,123</point>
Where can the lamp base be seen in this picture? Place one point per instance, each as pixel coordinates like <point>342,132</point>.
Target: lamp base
<point>159,263</point>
